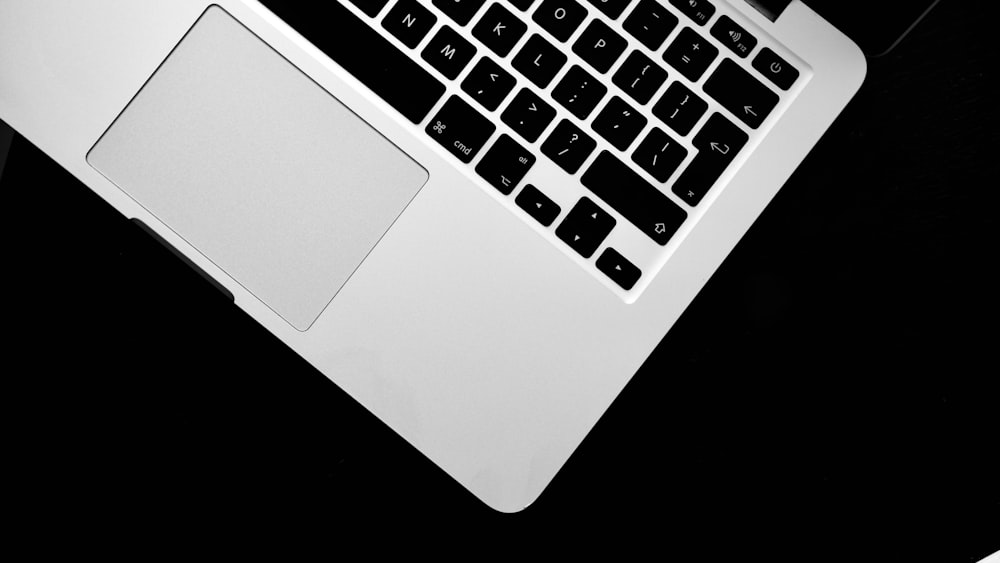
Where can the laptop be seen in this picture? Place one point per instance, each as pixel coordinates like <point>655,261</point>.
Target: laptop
<point>476,218</point>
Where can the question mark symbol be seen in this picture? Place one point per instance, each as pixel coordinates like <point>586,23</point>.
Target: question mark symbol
<point>575,137</point>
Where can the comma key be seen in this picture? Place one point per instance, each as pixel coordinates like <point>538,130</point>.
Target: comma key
<point>460,129</point>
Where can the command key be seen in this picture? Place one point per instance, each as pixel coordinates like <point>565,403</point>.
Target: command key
<point>460,129</point>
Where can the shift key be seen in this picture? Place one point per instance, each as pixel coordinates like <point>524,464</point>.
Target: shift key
<point>460,129</point>
<point>637,200</point>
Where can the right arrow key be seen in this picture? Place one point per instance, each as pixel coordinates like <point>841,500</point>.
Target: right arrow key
<point>740,93</point>
<point>618,268</point>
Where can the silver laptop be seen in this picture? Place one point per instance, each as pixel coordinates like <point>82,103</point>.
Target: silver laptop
<point>477,218</point>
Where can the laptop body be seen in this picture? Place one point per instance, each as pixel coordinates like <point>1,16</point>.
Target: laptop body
<point>490,352</point>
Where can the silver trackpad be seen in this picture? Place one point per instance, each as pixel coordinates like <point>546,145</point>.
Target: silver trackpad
<point>256,166</point>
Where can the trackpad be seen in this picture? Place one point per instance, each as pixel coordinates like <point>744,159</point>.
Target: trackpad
<point>256,166</point>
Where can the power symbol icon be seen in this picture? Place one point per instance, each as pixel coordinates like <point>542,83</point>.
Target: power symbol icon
<point>775,68</point>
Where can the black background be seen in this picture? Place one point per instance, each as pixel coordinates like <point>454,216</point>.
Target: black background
<point>830,394</point>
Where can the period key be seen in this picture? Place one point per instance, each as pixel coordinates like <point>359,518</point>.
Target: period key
<point>460,129</point>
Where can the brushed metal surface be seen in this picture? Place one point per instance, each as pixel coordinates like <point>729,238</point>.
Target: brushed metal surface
<point>256,166</point>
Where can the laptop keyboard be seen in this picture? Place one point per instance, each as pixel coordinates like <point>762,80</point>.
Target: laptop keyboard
<point>605,123</point>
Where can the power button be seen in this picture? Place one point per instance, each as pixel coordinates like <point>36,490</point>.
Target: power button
<point>775,69</point>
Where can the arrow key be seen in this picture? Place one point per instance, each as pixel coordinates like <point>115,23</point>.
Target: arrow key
<point>585,227</point>
<point>618,268</point>
<point>538,205</point>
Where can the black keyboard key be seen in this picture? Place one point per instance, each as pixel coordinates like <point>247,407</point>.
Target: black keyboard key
<point>522,5</point>
<point>775,69</point>
<point>700,11</point>
<point>599,45</point>
<point>585,227</point>
<point>499,29</point>
<point>488,83</point>
<point>718,142</point>
<point>568,146</point>
<point>448,52</point>
<point>720,131</point>
<point>742,94</point>
<point>408,21</point>
<point>560,17</point>
<point>618,268</point>
<point>460,129</point>
<point>611,8</point>
<point>639,77</point>
<point>619,123</point>
<point>336,31</point>
<point>730,34</point>
<point>636,199</point>
<point>505,164</point>
<point>539,61</point>
<point>538,205</point>
<point>528,114</point>
<point>578,92</point>
<point>690,54</point>
<point>459,10</point>
<point>680,108</point>
<point>371,8</point>
<point>650,23</point>
<point>659,155</point>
